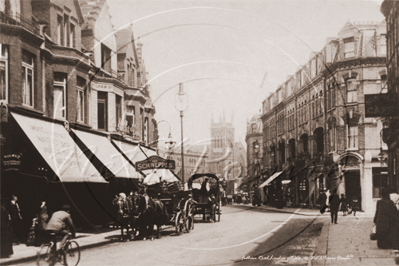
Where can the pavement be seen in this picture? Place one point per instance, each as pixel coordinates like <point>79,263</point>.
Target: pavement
<point>348,243</point>
<point>345,243</point>
<point>89,239</point>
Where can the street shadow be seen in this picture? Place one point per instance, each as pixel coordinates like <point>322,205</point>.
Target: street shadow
<point>264,210</point>
<point>296,239</point>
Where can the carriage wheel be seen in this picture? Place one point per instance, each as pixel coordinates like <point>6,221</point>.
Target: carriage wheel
<point>179,224</point>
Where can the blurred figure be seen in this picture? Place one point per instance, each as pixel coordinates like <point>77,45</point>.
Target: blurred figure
<point>212,204</point>
<point>16,219</point>
<point>334,206</point>
<point>322,201</point>
<point>355,205</point>
<point>6,232</point>
<point>386,221</point>
<point>344,204</point>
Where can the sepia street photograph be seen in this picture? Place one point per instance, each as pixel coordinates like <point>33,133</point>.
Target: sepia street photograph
<point>199,132</point>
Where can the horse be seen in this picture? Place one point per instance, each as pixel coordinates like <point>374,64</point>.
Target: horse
<point>154,214</point>
<point>125,215</point>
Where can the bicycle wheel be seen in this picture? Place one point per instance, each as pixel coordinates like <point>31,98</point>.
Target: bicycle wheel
<point>45,255</point>
<point>72,253</point>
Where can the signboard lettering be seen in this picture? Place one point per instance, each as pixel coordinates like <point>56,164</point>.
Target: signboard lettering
<point>381,105</point>
<point>12,162</point>
<point>155,162</point>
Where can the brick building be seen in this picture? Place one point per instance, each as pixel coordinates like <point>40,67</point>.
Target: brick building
<point>390,9</point>
<point>314,128</point>
<point>119,82</point>
<point>64,131</point>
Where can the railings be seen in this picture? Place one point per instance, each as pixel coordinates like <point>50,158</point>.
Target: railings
<point>29,24</point>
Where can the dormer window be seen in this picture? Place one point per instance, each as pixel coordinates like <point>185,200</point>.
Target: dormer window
<point>106,58</point>
<point>349,47</point>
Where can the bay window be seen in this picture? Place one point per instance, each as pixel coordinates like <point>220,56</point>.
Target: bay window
<point>28,79</point>
<point>59,94</point>
<point>118,110</point>
<point>130,114</point>
<point>80,88</point>
<point>102,110</point>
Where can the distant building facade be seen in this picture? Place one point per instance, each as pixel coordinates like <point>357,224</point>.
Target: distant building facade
<point>255,162</point>
<point>314,124</point>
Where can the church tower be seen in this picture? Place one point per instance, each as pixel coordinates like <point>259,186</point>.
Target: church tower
<point>222,140</point>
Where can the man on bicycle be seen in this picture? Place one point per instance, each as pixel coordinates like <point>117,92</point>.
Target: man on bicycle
<point>61,224</point>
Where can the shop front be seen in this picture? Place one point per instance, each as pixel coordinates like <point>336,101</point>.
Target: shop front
<point>46,160</point>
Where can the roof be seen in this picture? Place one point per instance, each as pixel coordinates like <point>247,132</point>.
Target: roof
<point>123,38</point>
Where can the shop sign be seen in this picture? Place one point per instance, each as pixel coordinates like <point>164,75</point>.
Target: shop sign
<point>381,105</point>
<point>99,86</point>
<point>12,162</point>
<point>155,162</point>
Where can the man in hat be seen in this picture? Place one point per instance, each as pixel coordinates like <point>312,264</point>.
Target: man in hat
<point>334,205</point>
<point>61,224</point>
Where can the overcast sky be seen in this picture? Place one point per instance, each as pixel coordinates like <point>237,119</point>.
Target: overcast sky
<point>221,50</point>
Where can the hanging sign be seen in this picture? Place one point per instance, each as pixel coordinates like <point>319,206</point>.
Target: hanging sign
<point>155,162</point>
<point>381,105</point>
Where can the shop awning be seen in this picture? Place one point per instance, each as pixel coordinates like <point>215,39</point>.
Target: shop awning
<point>109,156</point>
<point>133,152</point>
<point>160,175</point>
<point>268,181</point>
<point>137,153</point>
<point>59,150</point>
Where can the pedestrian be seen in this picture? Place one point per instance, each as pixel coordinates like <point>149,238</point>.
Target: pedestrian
<point>386,221</point>
<point>344,204</point>
<point>123,212</point>
<point>16,219</point>
<point>42,218</point>
<point>355,205</point>
<point>322,201</point>
<point>334,206</point>
<point>395,230</point>
<point>6,232</point>
<point>212,205</point>
<point>328,194</point>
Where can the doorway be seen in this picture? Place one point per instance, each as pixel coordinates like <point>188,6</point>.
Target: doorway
<point>352,186</point>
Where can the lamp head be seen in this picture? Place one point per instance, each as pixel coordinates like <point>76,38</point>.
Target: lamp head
<point>181,99</point>
<point>170,143</point>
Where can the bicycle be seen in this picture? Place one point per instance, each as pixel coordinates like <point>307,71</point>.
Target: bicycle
<point>48,253</point>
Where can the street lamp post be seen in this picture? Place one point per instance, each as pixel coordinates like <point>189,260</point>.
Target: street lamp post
<point>169,143</point>
<point>181,105</point>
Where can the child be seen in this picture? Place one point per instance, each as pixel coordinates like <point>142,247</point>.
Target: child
<point>355,205</point>
<point>344,205</point>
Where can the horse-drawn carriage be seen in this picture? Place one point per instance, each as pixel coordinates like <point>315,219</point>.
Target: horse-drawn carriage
<point>177,203</point>
<point>207,202</point>
<point>161,202</point>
